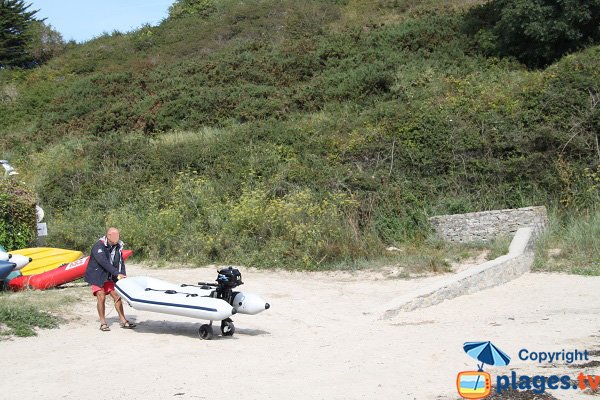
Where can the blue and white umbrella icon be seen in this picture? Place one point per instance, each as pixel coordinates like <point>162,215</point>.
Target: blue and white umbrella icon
<point>487,353</point>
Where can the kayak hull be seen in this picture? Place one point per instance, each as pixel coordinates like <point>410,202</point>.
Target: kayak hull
<point>46,258</point>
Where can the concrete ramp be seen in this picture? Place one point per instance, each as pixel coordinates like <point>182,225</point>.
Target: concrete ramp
<point>491,273</point>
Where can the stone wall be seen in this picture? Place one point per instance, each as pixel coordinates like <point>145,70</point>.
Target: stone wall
<point>487,225</point>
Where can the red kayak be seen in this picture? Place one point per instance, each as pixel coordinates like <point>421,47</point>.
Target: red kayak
<point>58,276</point>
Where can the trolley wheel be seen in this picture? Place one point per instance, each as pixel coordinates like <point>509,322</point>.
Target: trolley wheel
<point>205,332</point>
<point>227,327</point>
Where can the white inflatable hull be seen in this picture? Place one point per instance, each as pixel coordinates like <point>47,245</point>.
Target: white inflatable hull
<point>243,302</point>
<point>20,260</point>
<point>150,294</point>
<point>249,303</point>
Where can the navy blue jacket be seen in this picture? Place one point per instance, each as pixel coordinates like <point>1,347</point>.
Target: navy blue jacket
<point>99,268</point>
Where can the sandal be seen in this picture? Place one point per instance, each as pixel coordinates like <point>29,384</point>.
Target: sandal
<point>127,325</point>
<point>104,327</point>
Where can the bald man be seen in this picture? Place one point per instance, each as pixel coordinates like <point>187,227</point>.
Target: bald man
<point>105,267</point>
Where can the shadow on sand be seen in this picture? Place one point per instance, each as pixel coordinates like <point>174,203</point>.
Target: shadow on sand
<point>189,329</point>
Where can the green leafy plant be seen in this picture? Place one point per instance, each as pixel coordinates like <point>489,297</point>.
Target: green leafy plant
<point>22,319</point>
<point>17,215</point>
<point>536,32</point>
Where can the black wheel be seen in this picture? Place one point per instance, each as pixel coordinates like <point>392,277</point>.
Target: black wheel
<point>205,332</point>
<point>227,327</point>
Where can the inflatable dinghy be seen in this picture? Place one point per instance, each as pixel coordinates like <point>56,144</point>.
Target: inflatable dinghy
<point>209,301</point>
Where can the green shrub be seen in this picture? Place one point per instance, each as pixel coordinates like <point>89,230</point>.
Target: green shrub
<point>17,214</point>
<point>199,8</point>
<point>536,32</point>
<point>21,319</point>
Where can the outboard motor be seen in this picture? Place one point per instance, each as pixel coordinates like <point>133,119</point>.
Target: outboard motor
<point>244,303</point>
<point>228,279</point>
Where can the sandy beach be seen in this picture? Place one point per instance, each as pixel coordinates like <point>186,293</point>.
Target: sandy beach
<point>323,338</point>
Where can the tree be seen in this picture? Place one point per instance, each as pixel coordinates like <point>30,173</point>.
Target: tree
<point>15,33</point>
<point>201,8</point>
<point>536,32</point>
<point>44,43</point>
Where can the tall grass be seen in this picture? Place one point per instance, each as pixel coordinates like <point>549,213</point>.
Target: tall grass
<point>571,245</point>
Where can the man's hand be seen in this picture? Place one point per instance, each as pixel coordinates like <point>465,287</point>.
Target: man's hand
<point>121,276</point>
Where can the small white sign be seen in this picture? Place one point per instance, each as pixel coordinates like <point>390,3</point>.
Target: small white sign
<point>42,229</point>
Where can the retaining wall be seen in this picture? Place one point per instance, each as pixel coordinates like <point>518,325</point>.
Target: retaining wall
<point>487,225</point>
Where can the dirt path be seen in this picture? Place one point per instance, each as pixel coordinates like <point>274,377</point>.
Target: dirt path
<point>321,339</point>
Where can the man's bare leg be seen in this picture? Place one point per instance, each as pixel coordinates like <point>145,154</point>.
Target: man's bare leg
<point>119,306</point>
<point>100,299</point>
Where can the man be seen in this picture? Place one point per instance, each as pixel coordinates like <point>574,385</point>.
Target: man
<point>105,267</point>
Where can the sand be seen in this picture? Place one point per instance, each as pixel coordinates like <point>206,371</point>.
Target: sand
<point>322,339</point>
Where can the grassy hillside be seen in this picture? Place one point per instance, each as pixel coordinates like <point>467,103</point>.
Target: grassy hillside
<point>276,133</point>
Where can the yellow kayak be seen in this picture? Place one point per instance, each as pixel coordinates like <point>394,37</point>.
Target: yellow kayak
<point>46,258</point>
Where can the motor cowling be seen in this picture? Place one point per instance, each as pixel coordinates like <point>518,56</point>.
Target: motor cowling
<point>229,278</point>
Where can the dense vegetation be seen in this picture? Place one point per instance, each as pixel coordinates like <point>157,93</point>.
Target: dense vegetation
<point>536,32</point>
<point>17,214</point>
<point>300,134</point>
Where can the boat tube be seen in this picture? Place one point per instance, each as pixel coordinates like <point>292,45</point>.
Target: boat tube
<point>6,268</point>
<point>150,294</point>
<point>19,260</point>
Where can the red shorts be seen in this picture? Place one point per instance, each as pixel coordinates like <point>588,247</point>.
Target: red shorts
<point>108,287</point>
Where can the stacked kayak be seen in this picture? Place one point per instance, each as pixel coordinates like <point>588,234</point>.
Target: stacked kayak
<point>57,276</point>
<point>45,259</point>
